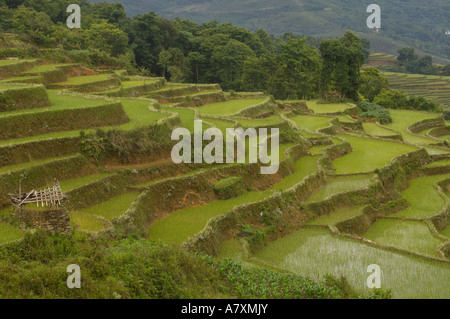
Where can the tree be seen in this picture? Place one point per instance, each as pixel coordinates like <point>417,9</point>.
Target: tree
<point>108,38</point>
<point>342,61</point>
<point>297,74</point>
<point>372,83</point>
<point>164,60</point>
<point>228,61</point>
<point>195,60</point>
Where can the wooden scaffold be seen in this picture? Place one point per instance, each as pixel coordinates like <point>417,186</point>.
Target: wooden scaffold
<point>51,196</point>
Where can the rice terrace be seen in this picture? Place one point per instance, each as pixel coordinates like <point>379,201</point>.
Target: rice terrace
<point>352,190</point>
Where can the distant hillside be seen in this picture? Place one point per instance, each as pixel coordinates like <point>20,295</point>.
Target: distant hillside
<point>417,23</point>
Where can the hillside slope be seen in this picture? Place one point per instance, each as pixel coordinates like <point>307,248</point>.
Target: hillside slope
<point>416,23</point>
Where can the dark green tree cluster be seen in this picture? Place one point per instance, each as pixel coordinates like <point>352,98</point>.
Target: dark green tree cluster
<point>410,62</point>
<point>288,67</point>
<point>394,99</point>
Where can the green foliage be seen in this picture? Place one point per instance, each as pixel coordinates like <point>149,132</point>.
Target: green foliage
<point>372,110</point>
<point>409,61</point>
<point>229,187</point>
<point>372,83</point>
<point>393,99</point>
<point>343,59</point>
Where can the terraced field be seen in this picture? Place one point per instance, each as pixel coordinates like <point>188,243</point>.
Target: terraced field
<point>436,88</point>
<point>346,194</point>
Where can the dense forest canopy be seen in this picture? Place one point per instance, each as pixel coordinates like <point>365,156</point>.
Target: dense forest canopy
<point>287,67</point>
<point>417,23</point>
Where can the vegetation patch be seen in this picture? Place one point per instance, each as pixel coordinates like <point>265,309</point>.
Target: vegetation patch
<point>229,187</point>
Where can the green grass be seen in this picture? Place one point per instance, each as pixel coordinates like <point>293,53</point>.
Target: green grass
<point>310,122</point>
<point>368,154</point>
<point>182,224</point>
<point>340,184</point>
<point>375,129</point>
<point>401,119</point>
<point>409,235</point>
<point>75,183</point>
<point>9,233</point>
<point>85,79</point>
<point>423,197</point>
<point>113,208</point>
<point>337,216</point>
<point>229,107</point>
<point>327,108</point>
<point>87,222</point>
<point>314,252</point>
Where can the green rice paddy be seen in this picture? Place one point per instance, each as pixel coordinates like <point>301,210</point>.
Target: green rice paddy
<point>341,184</point>
<point>85,79</point>
<point>113,208</point>
<point>327,108</point>
<point>87,222</point>
<point>377,130</point>
<point>423,197</point>
<point>43,68</point>
<point>440,163</point>
<point>310,122</point>
<point>410,235</point>
<point>313,252</point>
<point>337,216</point>
<point>401,119</point>
<point>303,167</point>
<point>75,183</point>
<point>7,62</point>
<point>185,223</point>
<point>369,153</point>
<point>230,107</point>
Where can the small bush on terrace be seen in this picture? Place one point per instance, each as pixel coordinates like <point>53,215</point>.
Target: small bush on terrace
<point>372,110</point>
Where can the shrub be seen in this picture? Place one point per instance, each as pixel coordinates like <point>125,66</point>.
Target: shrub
<point>372,110</point>
<point>229,187</point>
<point>393,99</point>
